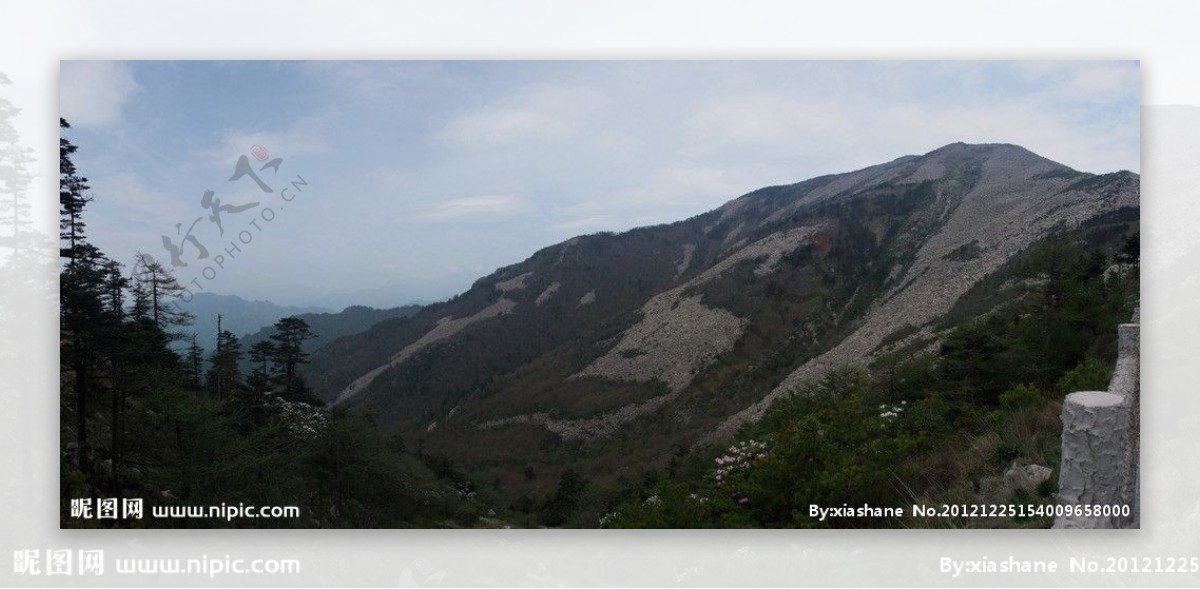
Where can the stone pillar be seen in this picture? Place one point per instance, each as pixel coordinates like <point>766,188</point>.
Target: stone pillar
<point>1126,381</point>
<point>1094,455</point>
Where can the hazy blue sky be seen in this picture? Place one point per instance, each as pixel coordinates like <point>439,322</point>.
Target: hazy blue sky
<point>423,176</point>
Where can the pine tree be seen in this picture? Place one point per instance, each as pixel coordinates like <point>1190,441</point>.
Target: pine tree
<point>14,175</point>
<point>195,361</point>
<point>224,374</point>
<point>261,355</point>
<point>72,198</point>
<point>289,337</point>
<point>24,252</point>
<point>81,291</point>
<point>84,322</point>
<point>114,343</point>
<point>155,295</point>
<point>1131,250</point>
<point>115,284</point>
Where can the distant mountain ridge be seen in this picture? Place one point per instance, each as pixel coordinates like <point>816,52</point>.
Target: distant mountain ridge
<point>328,327</point>
<point>253,321</point>
<point>677,334</point>
<point>238,315</point>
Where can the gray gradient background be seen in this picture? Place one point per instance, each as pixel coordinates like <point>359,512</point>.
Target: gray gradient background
<point>1161,34</point>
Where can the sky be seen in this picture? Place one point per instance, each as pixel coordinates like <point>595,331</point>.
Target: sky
<point>405,181</point>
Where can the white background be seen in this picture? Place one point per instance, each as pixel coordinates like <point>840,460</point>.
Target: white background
<point>1163,35</point>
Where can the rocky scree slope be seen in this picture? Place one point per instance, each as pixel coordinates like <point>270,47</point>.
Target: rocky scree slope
<point>677,334</point>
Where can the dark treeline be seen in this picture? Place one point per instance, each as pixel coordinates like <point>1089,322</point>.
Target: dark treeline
<point>140,420</point>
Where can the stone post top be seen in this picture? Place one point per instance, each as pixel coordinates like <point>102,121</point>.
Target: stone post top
<point>1095,399</point>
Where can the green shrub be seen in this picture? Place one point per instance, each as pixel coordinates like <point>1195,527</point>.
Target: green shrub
<point>1020,397</point>
<point>1047,487</point>
<point>1007,452</point>
<point>1089,375</point>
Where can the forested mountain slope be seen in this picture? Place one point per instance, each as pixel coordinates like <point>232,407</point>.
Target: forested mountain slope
<point>609,351</point>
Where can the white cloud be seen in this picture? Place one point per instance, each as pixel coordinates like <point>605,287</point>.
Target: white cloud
<point>869,126</point>
<point>491,206</point>
<point>676,190</point>
<point>1105,82</point>
<point>365,82</point>
<point>544,112</point>
<point>585,224</point>
<point>765,116</point>
<point>1092,82</point>
<point>126,193</point>
<point>130,216</point>
<point>291,143</point>
<point>94,93</point>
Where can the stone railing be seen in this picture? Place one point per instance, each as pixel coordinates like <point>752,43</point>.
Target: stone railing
<point>1100,443</point>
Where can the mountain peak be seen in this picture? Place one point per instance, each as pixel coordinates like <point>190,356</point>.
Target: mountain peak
<point>960,148</point>
<point>990,151</point>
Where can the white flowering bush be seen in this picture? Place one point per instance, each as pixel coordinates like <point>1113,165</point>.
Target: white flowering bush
<point>734,465</point>
<point>607,519</point>
<point>738,459</point>
<point>891,412</point>
<point>302,420</point>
